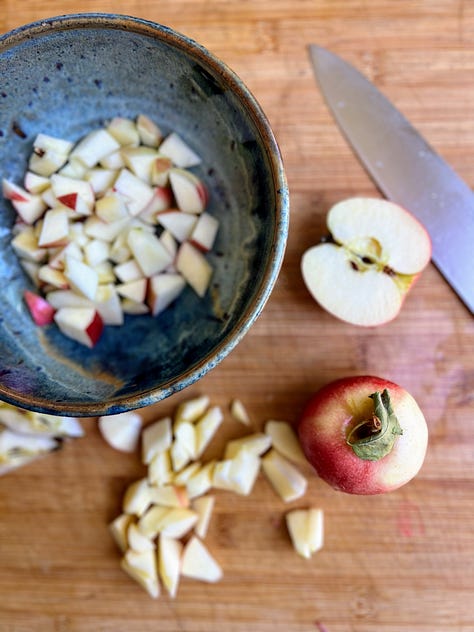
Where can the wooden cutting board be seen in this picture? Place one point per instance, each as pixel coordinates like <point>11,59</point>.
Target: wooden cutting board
<point>401,562</point>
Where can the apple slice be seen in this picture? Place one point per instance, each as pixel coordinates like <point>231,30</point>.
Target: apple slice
<point>204,507</point>
<point>237,474</point>
<point>169,563</point>
<point>178,522</point>
<point>18,449</point>
<point>285,479</point>
<point>82,324</point>
<point>285,441</point>
<point>162,290</point>
<point>194,267</point>
<point>180,455</point>
<point>183,476</point>
<point>151,522</point>
<point>169,495</point>
<point>148,131</point>
<point>378,252</point>
<point>41,311</point>
<point>201,481</point>
<point>188,190</point>
<point>121,431</point>
<point>185,434</point>
<point>306,529</point>
<point>156,438</point>
<point>142,567</point>
<point>174,147</point>
<point>198,563</point>
<point>94,147</point>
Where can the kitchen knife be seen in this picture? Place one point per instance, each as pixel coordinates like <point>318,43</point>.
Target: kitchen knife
<point>404,167</point>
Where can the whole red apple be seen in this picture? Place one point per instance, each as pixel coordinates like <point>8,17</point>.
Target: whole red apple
<point>364,435</point>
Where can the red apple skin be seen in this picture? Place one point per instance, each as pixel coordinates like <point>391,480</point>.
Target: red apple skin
<point>95,329</point>
<point>41,311</point>
<point>334,410</point>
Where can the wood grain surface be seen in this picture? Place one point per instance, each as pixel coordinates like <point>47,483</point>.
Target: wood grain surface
<point>402,562</point>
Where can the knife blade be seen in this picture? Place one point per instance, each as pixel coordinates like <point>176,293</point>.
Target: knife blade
<point>404,166</point>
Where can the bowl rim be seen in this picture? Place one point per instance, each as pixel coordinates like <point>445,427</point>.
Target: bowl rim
<point>126,402</point>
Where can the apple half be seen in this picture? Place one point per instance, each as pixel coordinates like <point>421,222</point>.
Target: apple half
<point>362,275</point>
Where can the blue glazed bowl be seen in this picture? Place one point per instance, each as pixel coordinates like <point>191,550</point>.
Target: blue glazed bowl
<point>67,75</point>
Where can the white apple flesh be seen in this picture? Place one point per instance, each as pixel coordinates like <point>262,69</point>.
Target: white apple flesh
<point>364,275</point>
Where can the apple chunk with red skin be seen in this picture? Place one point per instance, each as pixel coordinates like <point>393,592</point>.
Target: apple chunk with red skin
<point>363,275</point>
<point>364,435</point>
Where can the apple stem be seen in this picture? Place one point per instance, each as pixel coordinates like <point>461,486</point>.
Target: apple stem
<point>374,438</point>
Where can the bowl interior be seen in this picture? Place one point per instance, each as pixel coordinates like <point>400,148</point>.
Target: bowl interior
<point>67,76</point>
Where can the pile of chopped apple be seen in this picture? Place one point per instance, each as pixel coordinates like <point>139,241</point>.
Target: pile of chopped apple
<point>166,514</point>
<point>115,224</point>
<point>26,435</point>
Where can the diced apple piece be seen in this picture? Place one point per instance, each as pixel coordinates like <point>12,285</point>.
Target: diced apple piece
<point>67,298</point>
<point>134,308</point>
<point>18,449</point>
<point>74,168</point>
<point>73,193</point>
<point>142,567</point>
<point>49,154</point>
<point>122,430</point>
<point>149,252</point>
<point>113,161</point>
<point>119,528</point>
<point>82,278</point>
<point>188,190</point>
<point>41,311</point>
<point>55,229</point>
<point>95,228</point>
<point>151,522</point>
<point>137,193</point>
<point>239,412</point>
<point>191,409</point>
<point>134,290</point>
<point>285,479</point>
<point>306,530</point>
<point>194,267</point>
<point>150,134</point>
<point>137,541</point>
<point>25,244</point>
<point>180,456</point>
<point>162,290</point>
<point>206,428</point>
<point>119,250</point>
<point>96,251</point>
<point>182,477</point>
<point>256,443</point>
<point>94,147</point>
<point>169,563</point>
<point>101,180</point>
<point>159,469</point>
<point>169,495</point>
<point>169,242</point>
<point>156,438</point>
<point>82,324</point>
<point>111,207</point>
<point>178,522</point>
<point>29,207</point>
<point>204,232</point>
<point>124,131</point>
<point>198,563</point>
<point>139,160</point>
<point>52,278</point>
<point>137,498</point>
<point>161,201</point>
<point>185,434</point>
<point>179,224</point>
<point>200,482</point>
<point>57,260</point>
<point>242,473</point>
<point>204,507</point>
<point>179,151</point>
<point>128,271</point>
<point>33,423</point>
<point>36,184</point>
<point>31,269</point>
<point>160,170</point>
<point>285,441</point>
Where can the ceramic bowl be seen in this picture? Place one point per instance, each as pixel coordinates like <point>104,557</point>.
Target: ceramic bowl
<point>68,75</point>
